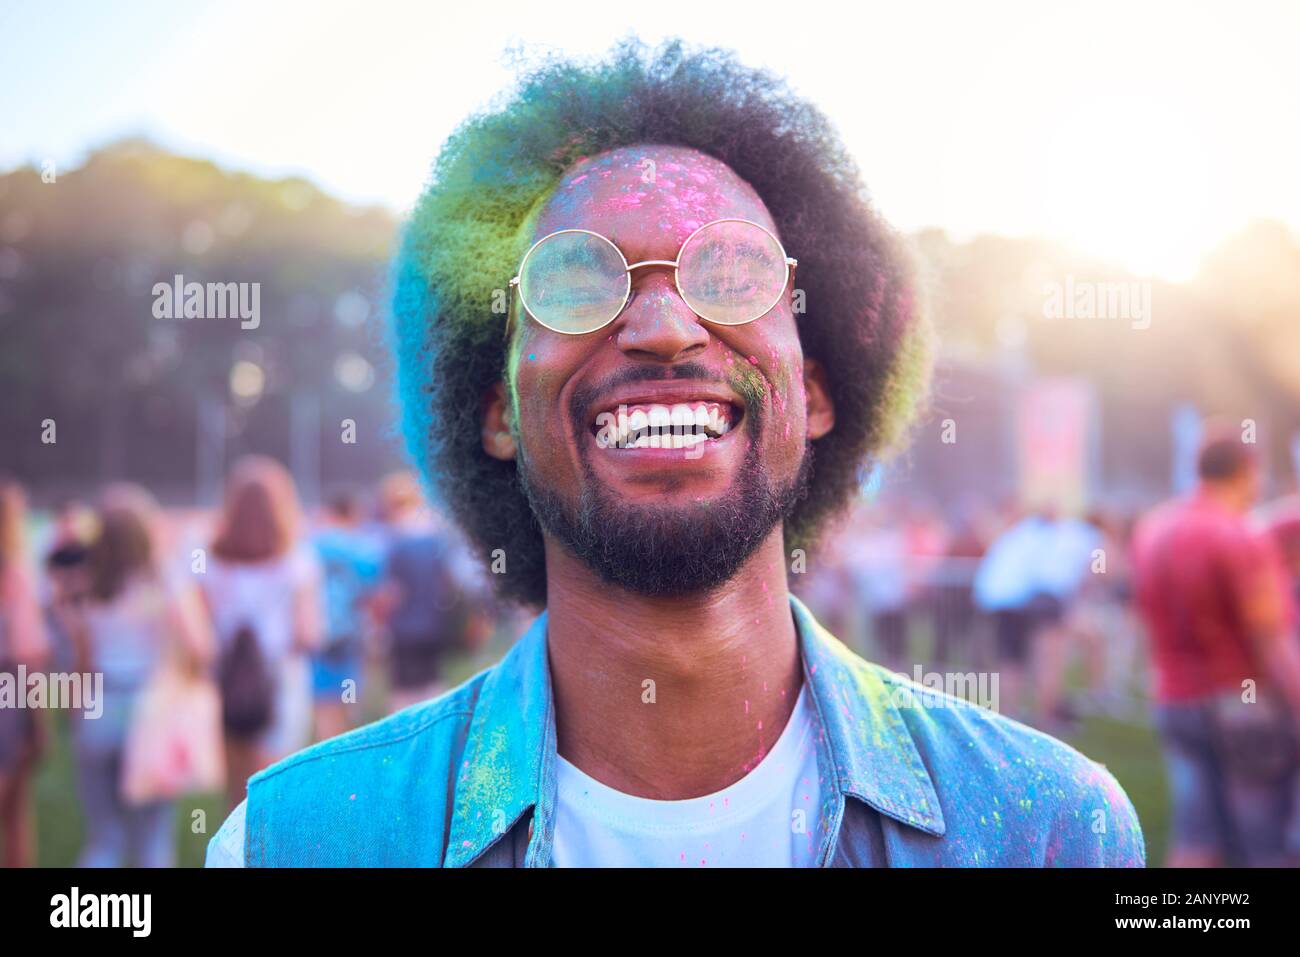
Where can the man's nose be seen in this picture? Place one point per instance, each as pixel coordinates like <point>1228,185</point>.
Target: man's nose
<point>657,324</point>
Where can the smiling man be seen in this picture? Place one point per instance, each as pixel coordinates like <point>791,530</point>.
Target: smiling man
<point>614,381</point>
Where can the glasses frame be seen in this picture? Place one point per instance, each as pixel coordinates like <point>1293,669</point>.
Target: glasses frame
<point>790,265</point>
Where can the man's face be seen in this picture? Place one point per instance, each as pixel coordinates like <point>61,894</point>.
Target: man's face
<point>659,520</point>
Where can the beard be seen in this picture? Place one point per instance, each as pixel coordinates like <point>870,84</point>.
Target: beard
<point>659,550</point>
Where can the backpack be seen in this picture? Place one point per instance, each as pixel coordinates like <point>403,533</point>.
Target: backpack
<point>247,686</point>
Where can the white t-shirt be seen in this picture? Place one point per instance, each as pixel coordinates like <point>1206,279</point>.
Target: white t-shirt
<point>766,819</point>
<point>262,595</point>
<point>259,594</point>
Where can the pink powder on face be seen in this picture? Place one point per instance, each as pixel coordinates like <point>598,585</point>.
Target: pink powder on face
<point>631,201</point>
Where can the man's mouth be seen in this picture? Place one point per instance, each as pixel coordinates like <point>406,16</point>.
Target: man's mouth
<point>680,425</point>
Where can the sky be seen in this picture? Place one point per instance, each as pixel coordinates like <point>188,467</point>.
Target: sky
<point>1143,133</point>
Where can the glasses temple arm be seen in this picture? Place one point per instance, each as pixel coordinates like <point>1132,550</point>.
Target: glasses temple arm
<point>510,306</point>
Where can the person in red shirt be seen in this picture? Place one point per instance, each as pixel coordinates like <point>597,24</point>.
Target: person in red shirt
<point>1221,625</point>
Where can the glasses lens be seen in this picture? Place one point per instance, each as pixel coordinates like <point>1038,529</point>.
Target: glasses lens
<point>574,282</point>
<point>732,272</point>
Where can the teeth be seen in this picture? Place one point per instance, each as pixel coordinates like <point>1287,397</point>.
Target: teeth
<point>661,421</point>
<point>683,425</point>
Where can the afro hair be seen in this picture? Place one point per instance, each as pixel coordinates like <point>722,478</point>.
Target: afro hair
<point>470,227</point>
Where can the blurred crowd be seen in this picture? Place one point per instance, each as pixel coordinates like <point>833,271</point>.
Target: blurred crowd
<point>1182,617</point>
<point>1028,594</point>
<point>230,638</point>
<point>226,640</point>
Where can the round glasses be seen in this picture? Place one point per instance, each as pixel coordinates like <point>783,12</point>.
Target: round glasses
<point>730,271</point>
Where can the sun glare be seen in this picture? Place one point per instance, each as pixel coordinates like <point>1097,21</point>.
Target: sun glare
<point>1138,182</point>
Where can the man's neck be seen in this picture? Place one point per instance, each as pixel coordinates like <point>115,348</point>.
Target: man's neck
<point>671,698</point>
<point>1224,495</point>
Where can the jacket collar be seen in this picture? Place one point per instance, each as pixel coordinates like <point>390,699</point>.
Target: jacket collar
<point>875,758</point>
<point>509,763</point>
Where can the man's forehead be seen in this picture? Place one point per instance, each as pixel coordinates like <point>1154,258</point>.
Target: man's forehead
<point>643,197</point>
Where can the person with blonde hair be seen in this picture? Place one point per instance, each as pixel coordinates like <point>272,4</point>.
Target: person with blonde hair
<point>262,588</point>
<point>132,620</point>
<point>22,642</point>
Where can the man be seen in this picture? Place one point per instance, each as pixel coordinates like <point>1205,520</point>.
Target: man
<point>633,446</point>
<point>1027,580</point>
<point>424,604</point>
<point>1227,664</point>
<point>351,561</point>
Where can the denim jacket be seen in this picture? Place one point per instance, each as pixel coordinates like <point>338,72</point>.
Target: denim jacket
<point>909,777</point>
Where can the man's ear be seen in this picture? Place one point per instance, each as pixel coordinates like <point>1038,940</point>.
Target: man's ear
<point>497,440</point>
<point>817,392</point>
